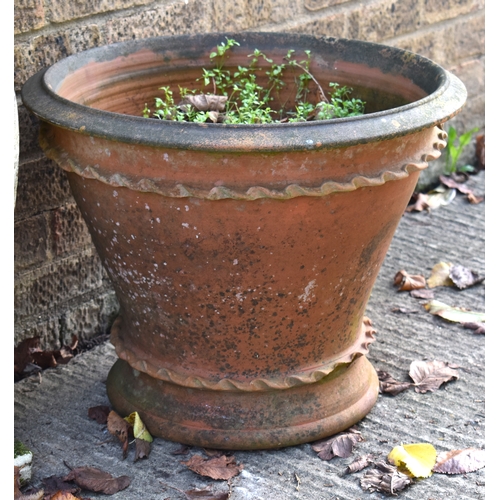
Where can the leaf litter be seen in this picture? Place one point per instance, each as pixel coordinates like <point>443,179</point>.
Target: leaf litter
<point>430,375</point>
<point>408,282</point>
<point>417,458</point>
<point>222,467</point>
<point>98,481</point>
<point>454,314</point>
<point>132,424</point>
<point>389,385</point>
<point>453,275</point>
<point>460,461</point>
<point>385,478</point>
<point>339,445</point>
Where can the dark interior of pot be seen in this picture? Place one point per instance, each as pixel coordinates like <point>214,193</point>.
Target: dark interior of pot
<point>122,78</point>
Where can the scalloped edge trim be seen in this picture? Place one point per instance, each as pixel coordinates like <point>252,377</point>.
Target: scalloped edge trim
<point>359,348</point>
<point>253,193</point>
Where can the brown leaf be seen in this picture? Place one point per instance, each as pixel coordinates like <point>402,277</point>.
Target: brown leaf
<point>119,427</point>
<point>360,464</point>
<point>98,481</point>
<point>63,495</point>
<point>452,183</point>
<point>463,277</point>
<point>30,495</point>
<point>63,355</point>
<point>422,294</point>
<point>389,385</point>
<point>206,494</point>
<point>479,328</point>
<point>44,359</point>
<point>407,282</point>
<point>99,413</point>
<point>440,275</point>
<point>216,468</point>
<point>23,353</point>
<point>340,445</point>
<point>55,484</point>
<point>142,449</point>
<point>205,102</point>
<point>385,478</point>
<point>17,484</point>
<point>429,375</point>
<point>460,461</point>
<point>474,200</point>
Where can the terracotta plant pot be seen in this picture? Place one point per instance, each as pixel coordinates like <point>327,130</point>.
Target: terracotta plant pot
<point>242,256</point>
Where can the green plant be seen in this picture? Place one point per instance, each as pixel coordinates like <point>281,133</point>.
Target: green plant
<point>454,150</point>
<point>238,98</point>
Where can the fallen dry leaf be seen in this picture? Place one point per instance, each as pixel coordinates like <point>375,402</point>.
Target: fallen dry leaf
<point>99,413</point>
<point>222,467</point>
<point>407,282</point>
<point>142,449</point>
<point>64,495</point>
<point>23,353</point>
<point>430,375</point>
<point>474,200</point>
<point>463,277</point>
<point>205,102</point>
<point>417,458</point>
<point>432,200</point>
<point>119,427</point>
<point>454,314</point>
<point>35,495</point>
<point>98,481</point>
<point>423,293</point>
<point>55,484</point>
<point>139,429</point>
<point>360,464</point>
<point>440,275</point>
<point>28,352</point>
<point>448,274</point>
<point>385,478</point>
<point>479,328</point>
<point>460,461</point>
<point>389,385</point>
<point>453,184</point>
<point>340,445</point>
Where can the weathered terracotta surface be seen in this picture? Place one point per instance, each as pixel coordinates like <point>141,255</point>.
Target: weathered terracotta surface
<point>242,256</point>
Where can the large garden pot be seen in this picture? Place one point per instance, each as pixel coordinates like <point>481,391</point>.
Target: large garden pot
<point>242,256</point>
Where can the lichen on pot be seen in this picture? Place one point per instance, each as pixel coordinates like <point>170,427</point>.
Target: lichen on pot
<point>242,256</point>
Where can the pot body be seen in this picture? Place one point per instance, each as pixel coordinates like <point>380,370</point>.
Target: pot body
<point>242,257</point>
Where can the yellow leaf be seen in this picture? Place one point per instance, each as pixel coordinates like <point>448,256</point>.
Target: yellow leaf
<point>440,275</point>
<point>140,431</point>
<point>418,458</point>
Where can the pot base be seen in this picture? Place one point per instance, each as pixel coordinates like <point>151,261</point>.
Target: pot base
<point>238,420</point>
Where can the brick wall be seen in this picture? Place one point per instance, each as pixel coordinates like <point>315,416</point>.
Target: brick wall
<point>60,285</point>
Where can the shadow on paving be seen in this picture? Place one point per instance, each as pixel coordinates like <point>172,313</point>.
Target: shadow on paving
<point>51,415</point>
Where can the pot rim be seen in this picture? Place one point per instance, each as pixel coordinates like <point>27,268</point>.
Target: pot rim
<point>41,98</point>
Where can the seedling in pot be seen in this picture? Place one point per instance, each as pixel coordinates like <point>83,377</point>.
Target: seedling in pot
<point>238,98</point>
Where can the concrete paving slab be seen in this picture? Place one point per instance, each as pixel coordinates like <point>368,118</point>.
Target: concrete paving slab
<point>51,413</point>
